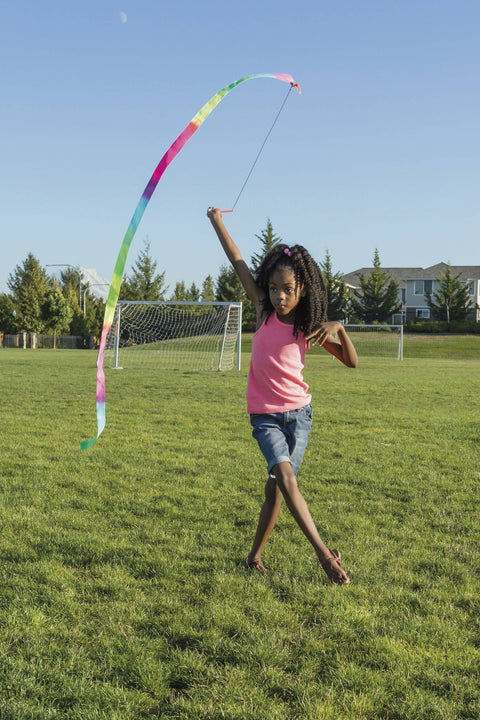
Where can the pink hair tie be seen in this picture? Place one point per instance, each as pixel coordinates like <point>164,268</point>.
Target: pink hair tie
<point>288,252</point>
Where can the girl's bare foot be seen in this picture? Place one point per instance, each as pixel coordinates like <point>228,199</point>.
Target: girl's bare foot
<point>333,568</point>
<point>255,564</point>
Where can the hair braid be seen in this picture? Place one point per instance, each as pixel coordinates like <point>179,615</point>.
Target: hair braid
<point>312,308</point>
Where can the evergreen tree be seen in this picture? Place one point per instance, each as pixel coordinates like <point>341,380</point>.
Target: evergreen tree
<point>98,316</point>
<point>29,285</point>
<point>228,287</point>
<point>144,283</point>
<point>378,299</point>
<point>93,313</point>
<point>208,290</point>
<point>337,292</point>
<point>193,293</point>
<point>70,280</point>
<point>180,292</point>
<point>70,283</point>
<point>268,240</point>
<point>85,320</point>
<point>8,321</point>
<point>452,301</point>
<point>56,311</point>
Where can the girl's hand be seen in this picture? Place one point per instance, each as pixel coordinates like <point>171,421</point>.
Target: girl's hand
<point>342,348</point>
<point>214,215</point>
<point>324,332</point>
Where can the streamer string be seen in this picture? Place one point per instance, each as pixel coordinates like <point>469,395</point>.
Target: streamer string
<point>292,85</point>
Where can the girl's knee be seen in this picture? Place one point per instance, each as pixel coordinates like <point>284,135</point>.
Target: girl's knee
<point>285,478</point>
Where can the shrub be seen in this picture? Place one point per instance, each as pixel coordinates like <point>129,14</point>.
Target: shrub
<point>463,327</point>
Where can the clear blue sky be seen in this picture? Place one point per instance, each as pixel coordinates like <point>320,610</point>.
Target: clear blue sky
<point>381,150</point>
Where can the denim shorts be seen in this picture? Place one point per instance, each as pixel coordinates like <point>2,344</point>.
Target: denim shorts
<point>283,437</point>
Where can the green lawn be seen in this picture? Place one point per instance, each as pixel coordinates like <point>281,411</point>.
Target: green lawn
<point>123,591</point>
<point>454,347</point>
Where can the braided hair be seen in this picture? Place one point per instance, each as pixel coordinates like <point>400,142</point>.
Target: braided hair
<point>312,308</point>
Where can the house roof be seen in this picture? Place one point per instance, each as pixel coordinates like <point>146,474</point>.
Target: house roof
<point>466,272</point>
<point>398,274</point>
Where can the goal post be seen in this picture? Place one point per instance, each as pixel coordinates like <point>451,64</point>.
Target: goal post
<point>377,340</point>
<point>176,335</point>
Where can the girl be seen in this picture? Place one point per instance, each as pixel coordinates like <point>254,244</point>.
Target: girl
<point>290,300</point>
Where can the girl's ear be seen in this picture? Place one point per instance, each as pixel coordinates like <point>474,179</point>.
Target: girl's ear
<point>303,291</point>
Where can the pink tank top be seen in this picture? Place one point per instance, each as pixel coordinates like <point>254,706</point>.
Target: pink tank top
<point>275,380</point>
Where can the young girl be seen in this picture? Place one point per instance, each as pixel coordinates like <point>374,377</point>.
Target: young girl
<point>290,300</point>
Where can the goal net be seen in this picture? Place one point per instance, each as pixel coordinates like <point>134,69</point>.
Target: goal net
<point>379,340</point>
<point>176,335</point>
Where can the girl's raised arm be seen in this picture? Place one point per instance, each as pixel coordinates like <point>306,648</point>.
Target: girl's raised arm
<point>233,254</point>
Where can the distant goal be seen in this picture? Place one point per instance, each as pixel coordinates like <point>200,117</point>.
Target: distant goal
<point>377,340</point>
<point>176,335</point>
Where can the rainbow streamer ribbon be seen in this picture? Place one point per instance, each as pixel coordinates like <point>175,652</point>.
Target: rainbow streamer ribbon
<point>114,291</point>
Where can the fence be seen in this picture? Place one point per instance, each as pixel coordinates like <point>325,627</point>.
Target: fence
<point>35,341</point>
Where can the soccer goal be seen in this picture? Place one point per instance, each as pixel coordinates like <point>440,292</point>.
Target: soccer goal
<point>379,340</point>
<point>176,335</point>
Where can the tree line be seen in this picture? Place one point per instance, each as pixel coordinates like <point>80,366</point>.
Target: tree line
<point>42,304</point>
<point>39,303</point>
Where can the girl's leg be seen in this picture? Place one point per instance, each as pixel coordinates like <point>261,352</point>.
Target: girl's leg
<point>287,483</point>
<point>266,522</point>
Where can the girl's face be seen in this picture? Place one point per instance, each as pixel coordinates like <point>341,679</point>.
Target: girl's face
<point>284,294</point>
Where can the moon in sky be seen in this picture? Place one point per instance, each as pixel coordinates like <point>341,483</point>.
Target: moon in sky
<point>123,17</point>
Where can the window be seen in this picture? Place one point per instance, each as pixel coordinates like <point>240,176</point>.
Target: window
<point>422,286</point>
<point>423,313</point>
<point>471,284</point>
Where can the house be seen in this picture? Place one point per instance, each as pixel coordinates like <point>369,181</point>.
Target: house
<point>415,282</point>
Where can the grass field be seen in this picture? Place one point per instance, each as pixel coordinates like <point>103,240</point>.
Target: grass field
<point>123,590</point>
